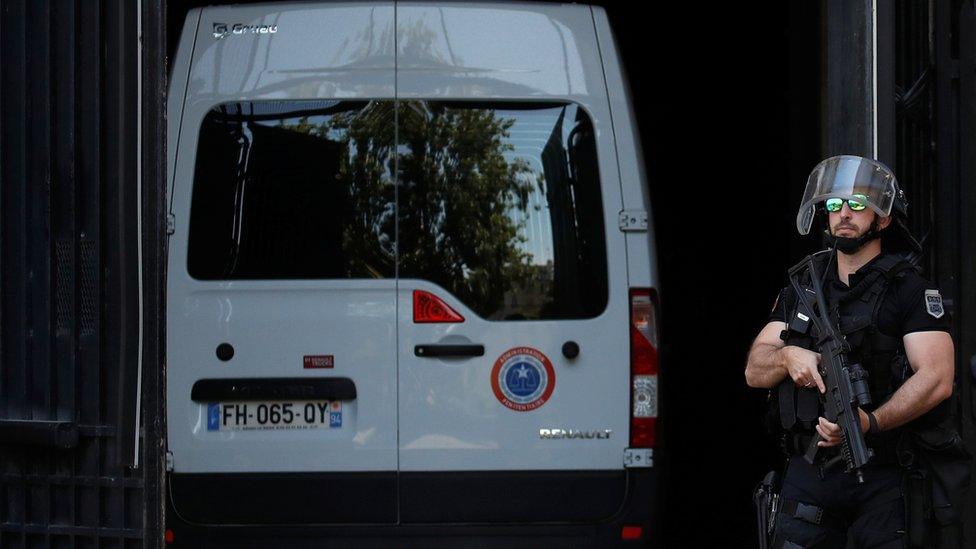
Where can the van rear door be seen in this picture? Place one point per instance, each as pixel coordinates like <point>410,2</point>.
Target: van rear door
<point>514,340</point>
<point>281,387</point>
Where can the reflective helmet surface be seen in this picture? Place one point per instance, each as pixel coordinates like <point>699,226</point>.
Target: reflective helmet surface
<point>850,177</point>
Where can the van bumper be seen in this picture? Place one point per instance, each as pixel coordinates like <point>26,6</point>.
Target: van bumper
<point>640,507</point>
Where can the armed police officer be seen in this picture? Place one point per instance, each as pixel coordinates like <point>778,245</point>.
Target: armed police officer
<point>891,322</point>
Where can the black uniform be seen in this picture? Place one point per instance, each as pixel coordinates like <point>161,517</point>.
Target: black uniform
<point>885,300</point>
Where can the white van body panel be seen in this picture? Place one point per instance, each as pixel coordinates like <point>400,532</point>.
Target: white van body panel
<point>497,50</point>
<point>340,50</point>
<point>357,333</point>
<point>348,53</point>
<point>177,93</point>
<point>411,413</point>
<point>641,267</point>
<point>450,419</point>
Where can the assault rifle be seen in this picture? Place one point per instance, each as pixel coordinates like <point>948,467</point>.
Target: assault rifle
<point>846,384</point>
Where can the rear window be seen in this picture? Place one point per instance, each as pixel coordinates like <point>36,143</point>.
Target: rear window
<point>294,190</point>
<point>499,203</point>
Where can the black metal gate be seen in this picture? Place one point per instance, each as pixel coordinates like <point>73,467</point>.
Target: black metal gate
<point>933,54</point>
<point>76,305</point>
<point>954,201</point>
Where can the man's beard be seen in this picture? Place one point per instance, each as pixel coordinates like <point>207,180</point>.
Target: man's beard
<point>850,245</point>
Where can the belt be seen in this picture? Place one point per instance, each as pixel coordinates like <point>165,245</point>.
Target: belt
<point>812,514</point>
<point>884,449</point>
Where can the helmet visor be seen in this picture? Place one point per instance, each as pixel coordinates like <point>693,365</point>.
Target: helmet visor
<point>855,178</point>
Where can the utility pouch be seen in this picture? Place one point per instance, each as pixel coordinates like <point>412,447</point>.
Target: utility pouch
<point>939,472</point>
<point>918,507</point>
<point>800,323</point>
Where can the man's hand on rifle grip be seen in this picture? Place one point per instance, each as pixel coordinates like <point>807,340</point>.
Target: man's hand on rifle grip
<point>832,434</point>
<point>802,364</point>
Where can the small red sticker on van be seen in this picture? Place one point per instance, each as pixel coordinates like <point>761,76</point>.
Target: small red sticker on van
<point>319,361</point>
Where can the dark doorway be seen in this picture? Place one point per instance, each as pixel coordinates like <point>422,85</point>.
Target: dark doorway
<point>728,107</point>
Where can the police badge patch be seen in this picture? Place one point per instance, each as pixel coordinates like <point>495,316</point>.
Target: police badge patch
<point>523,379</point>
<point>933,303</point>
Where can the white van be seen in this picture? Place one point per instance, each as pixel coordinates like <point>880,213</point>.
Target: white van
<point>411,285</point>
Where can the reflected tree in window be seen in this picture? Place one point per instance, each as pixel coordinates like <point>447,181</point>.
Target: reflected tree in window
<point>457,194</point>
<point>368,235</point>
<point>294,190</point>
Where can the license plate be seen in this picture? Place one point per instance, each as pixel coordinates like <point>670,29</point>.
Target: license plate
<point>279,415</point>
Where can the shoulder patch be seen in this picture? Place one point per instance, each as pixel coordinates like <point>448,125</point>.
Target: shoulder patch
<point>933,303</point>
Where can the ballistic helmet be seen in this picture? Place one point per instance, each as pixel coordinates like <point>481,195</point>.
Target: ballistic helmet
<point>851,177</point>
<point>862,181</point>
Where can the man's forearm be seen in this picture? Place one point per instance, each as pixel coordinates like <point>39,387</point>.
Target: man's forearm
<point>919,394</point>
<point>766,366</point>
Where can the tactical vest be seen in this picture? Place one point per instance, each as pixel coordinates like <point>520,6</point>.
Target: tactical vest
<point>796,409</point>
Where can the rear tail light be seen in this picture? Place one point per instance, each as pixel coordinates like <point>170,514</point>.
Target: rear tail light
<point>644,341</point>
<point>632,532</point>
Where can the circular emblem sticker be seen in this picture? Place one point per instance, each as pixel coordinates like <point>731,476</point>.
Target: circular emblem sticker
<point>523,379</point>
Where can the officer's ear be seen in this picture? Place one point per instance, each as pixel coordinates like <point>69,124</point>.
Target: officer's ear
<point>883,222</point>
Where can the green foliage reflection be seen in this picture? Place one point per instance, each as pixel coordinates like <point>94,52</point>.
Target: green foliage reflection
<point>458,192</point>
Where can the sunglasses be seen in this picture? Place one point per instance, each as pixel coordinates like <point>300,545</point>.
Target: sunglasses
<point>857,203</point>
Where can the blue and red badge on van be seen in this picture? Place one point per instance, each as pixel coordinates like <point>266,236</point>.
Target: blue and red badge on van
<point>523,379</point>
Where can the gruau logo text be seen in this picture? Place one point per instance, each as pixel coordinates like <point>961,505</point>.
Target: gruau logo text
<point>221,30</point>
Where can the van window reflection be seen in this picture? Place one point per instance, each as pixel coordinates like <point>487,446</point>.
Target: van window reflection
<point>294,190</point>
<point>500,204</point>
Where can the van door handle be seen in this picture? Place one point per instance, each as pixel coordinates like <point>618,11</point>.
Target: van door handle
<point>448,350</point>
